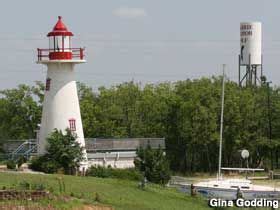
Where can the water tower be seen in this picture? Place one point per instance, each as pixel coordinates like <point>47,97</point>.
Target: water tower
<point>250,69</point>
<point>61,107</point>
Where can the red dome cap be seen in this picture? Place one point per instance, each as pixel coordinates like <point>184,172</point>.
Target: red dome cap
<point>60,29</point>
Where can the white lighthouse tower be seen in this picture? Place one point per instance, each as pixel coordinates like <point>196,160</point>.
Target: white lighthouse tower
<point>61,107</point>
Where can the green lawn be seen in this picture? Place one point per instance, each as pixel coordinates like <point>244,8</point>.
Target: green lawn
<point>121,194</point>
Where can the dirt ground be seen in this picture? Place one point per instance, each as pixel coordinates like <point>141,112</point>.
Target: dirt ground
<point>19,207</point>
<point>85,207</point>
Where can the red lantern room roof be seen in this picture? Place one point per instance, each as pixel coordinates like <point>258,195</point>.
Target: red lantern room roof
<point>60,29</point>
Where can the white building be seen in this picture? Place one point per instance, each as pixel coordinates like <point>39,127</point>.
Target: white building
<point>118,153</point>
<point>61,107</point>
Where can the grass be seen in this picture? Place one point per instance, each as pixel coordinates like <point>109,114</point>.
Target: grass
<point>120,194</point>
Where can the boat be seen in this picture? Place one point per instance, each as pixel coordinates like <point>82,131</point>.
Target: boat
<point>229,189</point>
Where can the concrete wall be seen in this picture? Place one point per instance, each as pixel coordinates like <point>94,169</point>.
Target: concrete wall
<point>120,163</point>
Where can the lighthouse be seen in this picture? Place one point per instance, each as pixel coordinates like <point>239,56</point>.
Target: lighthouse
<point>61,109</point>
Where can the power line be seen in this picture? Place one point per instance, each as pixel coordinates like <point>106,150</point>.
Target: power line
<point>134,40</point>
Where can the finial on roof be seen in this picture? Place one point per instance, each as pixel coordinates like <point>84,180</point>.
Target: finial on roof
<point>60,29</point>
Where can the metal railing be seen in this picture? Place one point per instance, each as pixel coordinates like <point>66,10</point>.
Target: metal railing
<point>44,54</point>
<point>123,144</point>
<point>29,147</point>
<point>25,149</point>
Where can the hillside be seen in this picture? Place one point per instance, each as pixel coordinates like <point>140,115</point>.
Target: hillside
<point>120,194</point>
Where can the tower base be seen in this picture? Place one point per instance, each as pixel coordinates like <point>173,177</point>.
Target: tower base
<point>251,75</point>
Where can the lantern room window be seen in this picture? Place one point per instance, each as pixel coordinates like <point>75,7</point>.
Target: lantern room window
<point>60,46</point>
<point>48,84</point>
<point>72,124</point>
<point>60,43</point>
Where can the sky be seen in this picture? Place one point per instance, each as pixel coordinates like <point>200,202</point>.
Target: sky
<point>147,41</point>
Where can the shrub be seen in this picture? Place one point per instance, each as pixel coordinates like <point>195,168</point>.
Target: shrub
<point>61,184</point>
<point>109,172</point>
<point>38,186</point>
<point>99,171</point>
<point>63,154</point>
<point>50,167</point>
<point>42,163</point>
<point>130,174</point>
<point>97,197</point>
<point>11,164</point>
<point>21,161</point>
<point>36,163</point>
<point>24,185</point>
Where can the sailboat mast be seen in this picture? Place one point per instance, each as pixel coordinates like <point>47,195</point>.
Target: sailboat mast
<point>221,123</point>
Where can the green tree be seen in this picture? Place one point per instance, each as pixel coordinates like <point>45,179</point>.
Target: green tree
<point>186,113</point>
<point>20,111</point>
<point>153,164</point>
<point>62,152</point>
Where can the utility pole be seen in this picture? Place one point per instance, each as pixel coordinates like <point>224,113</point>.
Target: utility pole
<point>269,123</point>
<point>221,125</point>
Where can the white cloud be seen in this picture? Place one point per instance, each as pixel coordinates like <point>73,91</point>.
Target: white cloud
<point>126,12</point>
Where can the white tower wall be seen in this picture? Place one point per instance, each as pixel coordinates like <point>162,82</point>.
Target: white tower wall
<point>251,43</point>
<point>61,103</point>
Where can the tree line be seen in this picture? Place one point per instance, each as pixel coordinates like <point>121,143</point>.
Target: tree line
<point>186,113</point>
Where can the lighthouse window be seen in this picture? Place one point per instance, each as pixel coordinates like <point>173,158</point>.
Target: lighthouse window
<point>72,124</point>
<point>48,84</point>
<point>54,43</point>
<point>63,41</point>
<point>57,43</point>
